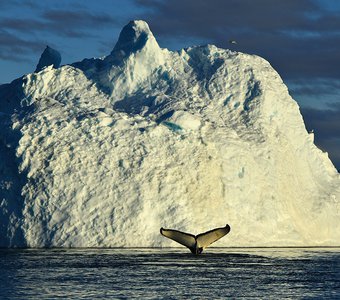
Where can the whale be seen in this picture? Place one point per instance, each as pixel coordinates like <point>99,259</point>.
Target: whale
<point>196,243</point>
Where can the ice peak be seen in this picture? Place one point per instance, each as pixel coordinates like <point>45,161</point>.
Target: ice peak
<point>47,58</point>
<point>133,37</point>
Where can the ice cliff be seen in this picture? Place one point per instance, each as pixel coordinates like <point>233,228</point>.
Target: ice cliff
<point>103,152</point>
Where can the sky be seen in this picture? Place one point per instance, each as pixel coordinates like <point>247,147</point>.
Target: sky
<point>300,39</point>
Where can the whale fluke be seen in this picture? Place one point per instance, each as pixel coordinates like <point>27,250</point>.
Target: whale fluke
<point>196,243</point>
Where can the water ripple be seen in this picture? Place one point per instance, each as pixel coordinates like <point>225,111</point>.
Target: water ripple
<point>170,274</point>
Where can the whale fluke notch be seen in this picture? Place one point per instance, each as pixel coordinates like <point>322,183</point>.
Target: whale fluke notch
<point>196,243</point>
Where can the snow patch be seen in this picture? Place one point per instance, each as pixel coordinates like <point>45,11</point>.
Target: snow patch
<point>186,120</point>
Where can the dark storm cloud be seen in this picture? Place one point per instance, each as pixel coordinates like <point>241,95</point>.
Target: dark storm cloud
<point>13,3</point>
<point>79,19</point>
<point>15,48</point>
<point>326,126</point>
<point>62,22</point>
<point>28,26</point>
<point>18,36</point>
<point>203,17</point>
<point>200,17</point>
<point>300,38</point>
<point>21,24</point>
<point>197,14</point>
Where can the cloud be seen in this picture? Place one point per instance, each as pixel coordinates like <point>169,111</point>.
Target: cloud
<point>4,4</point>
<point>22,36</point>
<point>74,24</point>
<point>78,19</point>
<point>207,18</point>
<point>15,48</point>
<point>27,25</point>
<point>326,126</point>
<point>320,87</point>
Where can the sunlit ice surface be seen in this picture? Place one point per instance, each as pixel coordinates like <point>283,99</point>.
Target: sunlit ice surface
<point>172,273</point>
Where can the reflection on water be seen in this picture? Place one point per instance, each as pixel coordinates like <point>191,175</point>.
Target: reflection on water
<point>218,273</point>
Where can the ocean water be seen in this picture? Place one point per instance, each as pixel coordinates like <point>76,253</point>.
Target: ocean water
<point>218,273</point>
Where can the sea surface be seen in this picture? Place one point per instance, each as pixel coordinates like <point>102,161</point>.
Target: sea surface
<point>218,273</point>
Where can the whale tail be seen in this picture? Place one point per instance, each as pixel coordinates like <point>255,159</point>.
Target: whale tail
<point>207,238</point>
<point>185,239</point>
<point>197,243</point>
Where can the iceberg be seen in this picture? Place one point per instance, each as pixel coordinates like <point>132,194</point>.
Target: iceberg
<point>104,152</point>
